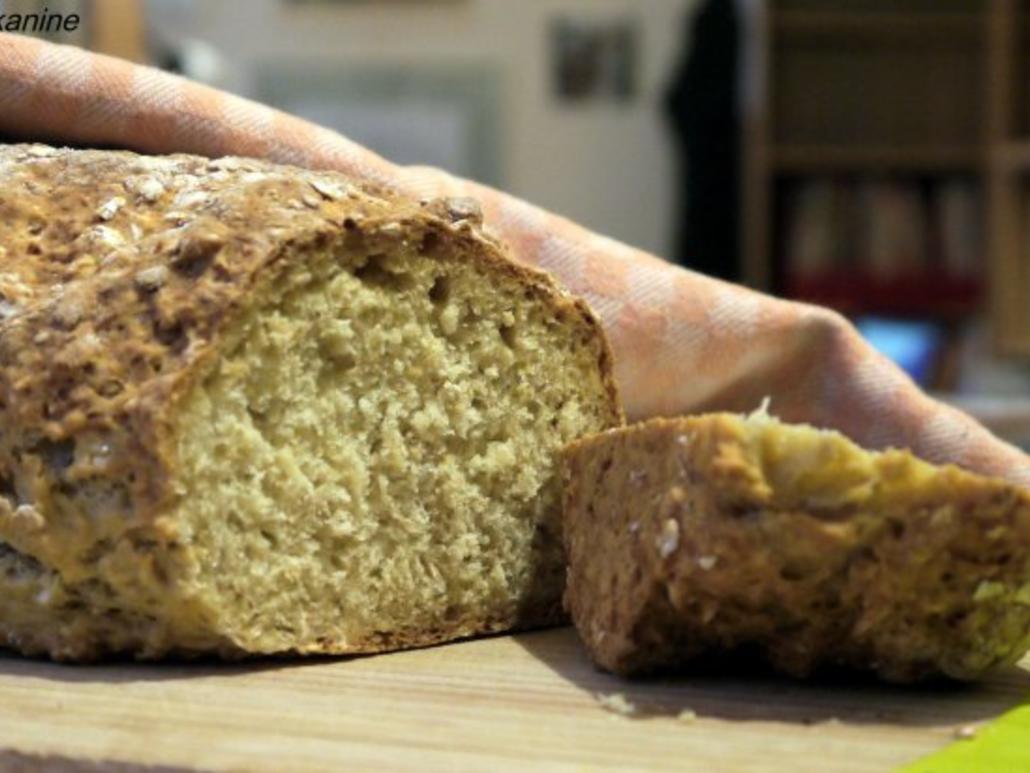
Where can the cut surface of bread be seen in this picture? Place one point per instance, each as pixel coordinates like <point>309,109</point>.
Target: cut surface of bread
<point>248,408</point>
<point>721,534</point>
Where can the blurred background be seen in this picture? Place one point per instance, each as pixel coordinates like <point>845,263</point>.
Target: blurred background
<point>868,155</point>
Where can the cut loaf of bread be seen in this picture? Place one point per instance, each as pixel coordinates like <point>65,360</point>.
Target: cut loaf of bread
<point>719,533</point>
<point>247,408</point>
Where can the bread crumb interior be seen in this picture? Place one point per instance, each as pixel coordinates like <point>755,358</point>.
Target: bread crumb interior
<point>375,454</point>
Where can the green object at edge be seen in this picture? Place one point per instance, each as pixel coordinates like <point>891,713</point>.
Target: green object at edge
<point>1000,747</point>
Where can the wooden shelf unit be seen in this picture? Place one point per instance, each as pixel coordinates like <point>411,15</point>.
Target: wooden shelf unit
<point>903,89</point>
<point>875,159</point>
<point>1008,173</point>
<point>895,23</point>
<point>1014,156</point>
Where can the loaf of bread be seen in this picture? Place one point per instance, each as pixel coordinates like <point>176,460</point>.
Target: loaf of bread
<point>247,408</point>
<point>722,534</point>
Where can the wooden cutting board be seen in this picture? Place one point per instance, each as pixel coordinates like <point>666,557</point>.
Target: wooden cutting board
<point>490,704</point>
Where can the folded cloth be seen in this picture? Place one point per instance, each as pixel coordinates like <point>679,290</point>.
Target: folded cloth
<point>683,342</point>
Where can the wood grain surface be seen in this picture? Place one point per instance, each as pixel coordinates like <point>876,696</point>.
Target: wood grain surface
<point>501,703</point>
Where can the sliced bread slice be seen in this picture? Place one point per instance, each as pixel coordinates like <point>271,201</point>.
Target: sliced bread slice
<point>721,533</point>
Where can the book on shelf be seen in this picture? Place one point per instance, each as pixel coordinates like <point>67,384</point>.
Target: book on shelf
<point>811,229</point>
<point>883,228</point>
<point>892,231</point>
<point>958,220</point>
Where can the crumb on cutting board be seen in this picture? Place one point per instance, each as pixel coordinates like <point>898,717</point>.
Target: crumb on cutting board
<point>617,703</point>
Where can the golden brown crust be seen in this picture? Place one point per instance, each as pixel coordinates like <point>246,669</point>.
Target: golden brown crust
<point>716,534</point>
<point>119,274</point>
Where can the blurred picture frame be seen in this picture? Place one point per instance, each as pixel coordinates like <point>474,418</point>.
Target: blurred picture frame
<point>594,59</point>
<point>445,115</point>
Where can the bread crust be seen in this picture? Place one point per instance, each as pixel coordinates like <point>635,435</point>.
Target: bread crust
<point>119,275</point>
<point>715,535</point>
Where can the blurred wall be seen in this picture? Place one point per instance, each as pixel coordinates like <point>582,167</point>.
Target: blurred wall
<point>606,165</point>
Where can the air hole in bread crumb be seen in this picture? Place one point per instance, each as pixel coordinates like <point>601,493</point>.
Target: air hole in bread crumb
<point>344,362</point>
<point>375,273</point>
<point>196,255</point>
<point>333,368</point>
<point>58,455</point>
<point>440,292</point>
<point>173,336</point>
<point>508,335</point>
<point>430,240</point>
<point>7,490</point>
